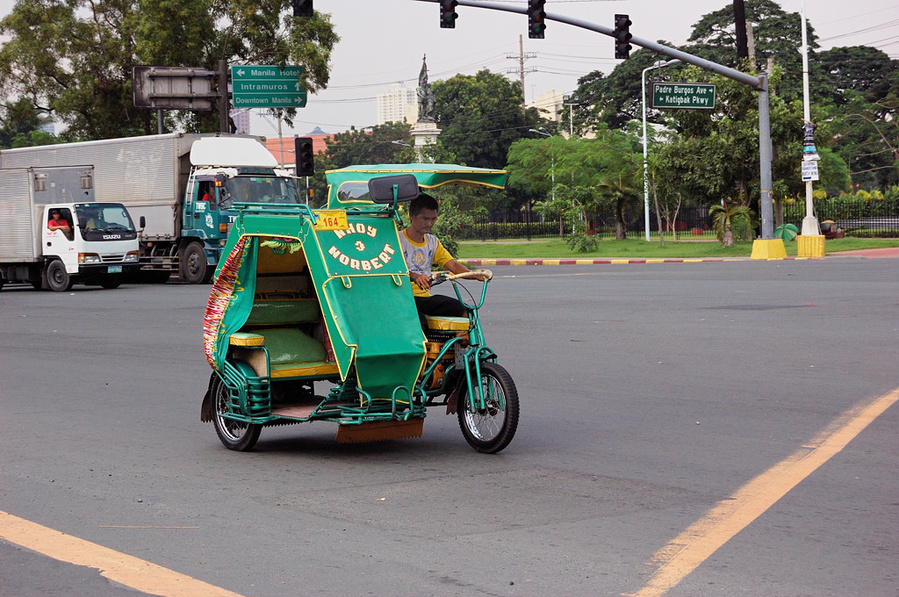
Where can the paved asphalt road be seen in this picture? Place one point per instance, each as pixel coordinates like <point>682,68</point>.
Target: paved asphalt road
<point>687,429</point>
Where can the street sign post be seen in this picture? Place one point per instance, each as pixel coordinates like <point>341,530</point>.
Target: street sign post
<point>267,86</point>
<point>683,95</point>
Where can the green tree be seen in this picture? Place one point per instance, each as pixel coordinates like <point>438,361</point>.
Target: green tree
<point>580,167</point>
<point>73,58</point>
<point>777,35</point>
<point>388,143</point>
<point>481,116</point>
<point>862,69</point>
<point>18,120</point>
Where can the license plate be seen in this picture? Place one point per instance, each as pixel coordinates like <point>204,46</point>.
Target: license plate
<point>114,269</point>
<point>331,219</point>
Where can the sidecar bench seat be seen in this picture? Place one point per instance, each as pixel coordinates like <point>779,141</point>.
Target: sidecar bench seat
<point>446,323</point>
<point>292,352</point>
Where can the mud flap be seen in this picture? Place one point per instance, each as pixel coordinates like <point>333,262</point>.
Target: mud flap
<point>379,431</point>
<point>452,401</point>
<point>207,411</point>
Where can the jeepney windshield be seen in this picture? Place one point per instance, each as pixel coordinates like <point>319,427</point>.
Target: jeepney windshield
<point>104,221</point>
<point>260,189</point>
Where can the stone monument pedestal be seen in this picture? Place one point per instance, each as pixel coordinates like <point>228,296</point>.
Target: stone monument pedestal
<point>424,133</point>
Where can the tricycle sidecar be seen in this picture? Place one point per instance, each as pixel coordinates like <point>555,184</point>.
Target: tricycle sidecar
<point>305,298</point>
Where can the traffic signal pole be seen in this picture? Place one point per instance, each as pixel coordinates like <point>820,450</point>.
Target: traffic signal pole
<point>769,248</point>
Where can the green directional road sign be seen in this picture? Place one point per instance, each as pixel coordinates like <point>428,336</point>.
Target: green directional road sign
<point>261,86</point>
<point>683,95</point>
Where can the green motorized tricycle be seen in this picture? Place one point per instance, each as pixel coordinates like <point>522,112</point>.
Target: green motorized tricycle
<point>304,299</point>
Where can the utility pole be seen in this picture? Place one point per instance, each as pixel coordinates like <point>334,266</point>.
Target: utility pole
<point>520,71</point>
<point>811,241</point>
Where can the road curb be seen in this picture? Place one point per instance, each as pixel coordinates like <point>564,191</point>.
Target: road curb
<point>612,261</point>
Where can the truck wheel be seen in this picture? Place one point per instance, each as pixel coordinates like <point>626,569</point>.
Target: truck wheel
<point>192,266</point>
<point>57,277</point>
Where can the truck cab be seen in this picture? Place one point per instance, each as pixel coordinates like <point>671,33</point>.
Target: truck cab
<point>225,171</point>
<point>92,243</point>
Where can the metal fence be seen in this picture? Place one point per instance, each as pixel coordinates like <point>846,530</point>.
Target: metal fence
<point>875,218</point>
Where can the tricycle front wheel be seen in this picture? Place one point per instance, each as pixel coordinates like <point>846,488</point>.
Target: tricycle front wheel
<point>236,435</point>
<point>490,429</point>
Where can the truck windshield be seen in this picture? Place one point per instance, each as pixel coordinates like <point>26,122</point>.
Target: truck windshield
<point>260,189</point>
<point>104,221</point>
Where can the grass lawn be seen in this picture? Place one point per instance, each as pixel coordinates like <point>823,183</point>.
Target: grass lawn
<point>637,248</point>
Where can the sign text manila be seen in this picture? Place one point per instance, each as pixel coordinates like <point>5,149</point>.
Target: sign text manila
<point>261,86</point>
<point>683,95</point>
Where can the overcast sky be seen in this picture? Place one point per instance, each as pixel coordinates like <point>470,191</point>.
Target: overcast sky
<point>383,41</point>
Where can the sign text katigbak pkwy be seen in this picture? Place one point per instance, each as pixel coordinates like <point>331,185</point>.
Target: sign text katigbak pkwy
<point>683,95</point>
<point>267,86</point>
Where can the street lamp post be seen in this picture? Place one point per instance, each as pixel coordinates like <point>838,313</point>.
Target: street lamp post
<point>658,64</point>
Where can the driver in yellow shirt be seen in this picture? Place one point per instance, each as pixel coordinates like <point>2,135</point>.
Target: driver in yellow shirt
<point>422,250</point>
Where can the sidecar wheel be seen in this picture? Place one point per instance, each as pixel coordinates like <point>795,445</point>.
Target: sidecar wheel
<point>491,429</point>
<point>236,435</point>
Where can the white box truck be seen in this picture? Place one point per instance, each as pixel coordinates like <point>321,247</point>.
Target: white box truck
<point>53,234</point>
<point>181,185</point>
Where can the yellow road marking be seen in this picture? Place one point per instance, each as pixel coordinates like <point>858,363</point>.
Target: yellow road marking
<point>124,569</point>
<point>696,544</point>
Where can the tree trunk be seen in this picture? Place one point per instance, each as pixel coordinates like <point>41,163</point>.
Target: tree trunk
<point>728,239</point>
<point>620,226</point>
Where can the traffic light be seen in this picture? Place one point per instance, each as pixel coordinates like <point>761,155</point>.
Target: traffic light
<point>305,161</point>
<point>448,14</point>
<point>302,8</point>
<point>622,36</point>
<point>536,19</point>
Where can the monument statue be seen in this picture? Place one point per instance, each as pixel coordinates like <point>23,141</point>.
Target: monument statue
<point>425,95</point>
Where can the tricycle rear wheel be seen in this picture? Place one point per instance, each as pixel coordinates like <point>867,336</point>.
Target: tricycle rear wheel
<point>489,430</point>
<point>235,435</point>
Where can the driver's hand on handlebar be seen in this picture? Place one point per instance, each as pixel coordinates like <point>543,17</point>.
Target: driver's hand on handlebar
<point>422,280</point>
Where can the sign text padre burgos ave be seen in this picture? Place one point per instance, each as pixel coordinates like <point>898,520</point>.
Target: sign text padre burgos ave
<point>683,95</point>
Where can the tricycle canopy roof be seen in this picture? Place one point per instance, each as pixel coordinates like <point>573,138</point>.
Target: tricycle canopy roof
<point>349,186</point>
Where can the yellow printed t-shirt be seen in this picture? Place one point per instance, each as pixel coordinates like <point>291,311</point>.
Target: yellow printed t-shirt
<point>420,257</point>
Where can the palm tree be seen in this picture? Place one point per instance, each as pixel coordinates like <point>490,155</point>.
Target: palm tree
<point>724,216</point>
<point>621,193</point>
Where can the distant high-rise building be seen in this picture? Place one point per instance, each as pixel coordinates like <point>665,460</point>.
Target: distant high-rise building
<point>550,104</point>
<point>397,105</point>
<point>241,118</point>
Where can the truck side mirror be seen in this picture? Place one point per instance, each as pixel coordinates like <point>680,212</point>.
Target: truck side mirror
<point>142,222</point>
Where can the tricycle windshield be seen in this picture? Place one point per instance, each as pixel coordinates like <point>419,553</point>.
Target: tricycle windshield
<point>350,192</point>
<point>260,189</point>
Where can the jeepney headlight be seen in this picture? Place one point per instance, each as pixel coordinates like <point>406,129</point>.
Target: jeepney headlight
<point>131,256</point>
<point>87,258</point>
